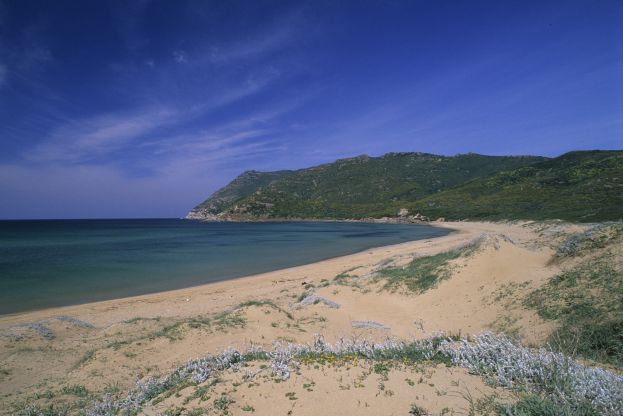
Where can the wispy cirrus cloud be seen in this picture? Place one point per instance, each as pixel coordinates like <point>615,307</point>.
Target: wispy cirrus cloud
<point>87,139</point>
<point>248,136</point>
<point>192,98</point>
<point>80,141</point>
<point>154,133</point>
<point>253,45</point>
<point>263,43</point>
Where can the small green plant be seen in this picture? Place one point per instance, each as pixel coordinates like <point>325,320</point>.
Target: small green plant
<point>381,368</point>
<point>75,390</point>
<point>48,394</point>
<point>176,411</point>
<point>416,410</point>
<point>223,402</point>
<point>483,406</point>
<point>248,408</point>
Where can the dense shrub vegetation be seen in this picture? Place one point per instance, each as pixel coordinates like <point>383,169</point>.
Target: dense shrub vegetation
<point>578,186</point>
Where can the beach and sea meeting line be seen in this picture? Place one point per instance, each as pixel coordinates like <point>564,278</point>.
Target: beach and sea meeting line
<point>56,263</point>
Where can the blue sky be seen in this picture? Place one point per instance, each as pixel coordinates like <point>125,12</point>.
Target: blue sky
<point>143,108</point>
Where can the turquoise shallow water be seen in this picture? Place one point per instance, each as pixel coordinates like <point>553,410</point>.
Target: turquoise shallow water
<point>56,263</point>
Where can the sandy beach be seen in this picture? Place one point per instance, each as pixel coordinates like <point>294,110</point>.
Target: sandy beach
<point>108,345</point>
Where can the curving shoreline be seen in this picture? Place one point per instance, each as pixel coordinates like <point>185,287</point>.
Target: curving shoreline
<point>54,264</point>
<point>170,298</point>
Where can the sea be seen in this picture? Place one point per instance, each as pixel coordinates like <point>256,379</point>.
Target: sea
<point>48,263</point>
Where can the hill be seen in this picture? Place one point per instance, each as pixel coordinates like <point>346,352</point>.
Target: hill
<point>581,186</point>
<point>349,188</point>
<point>577,186</point>
<point>243,186</point>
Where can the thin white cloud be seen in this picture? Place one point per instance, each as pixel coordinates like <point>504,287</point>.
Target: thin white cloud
<point>180,57</point>
<point>89,139</point>
<point>223,142</point>
<point>93,139</point>
<point>83,140</point>
<point>253,46</point>
<point>270,38</point>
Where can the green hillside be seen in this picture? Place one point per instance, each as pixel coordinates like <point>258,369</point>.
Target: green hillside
<point>577,186</point>
<point>350,188</point>
<point>241,187</point>
<point>581,186</point>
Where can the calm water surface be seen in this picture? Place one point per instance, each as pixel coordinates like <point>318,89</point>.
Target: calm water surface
<point>55,263</point>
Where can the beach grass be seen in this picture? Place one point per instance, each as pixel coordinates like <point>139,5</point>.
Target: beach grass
<point>539,405</point>
<point>585,302</point>
<point>422,273</point>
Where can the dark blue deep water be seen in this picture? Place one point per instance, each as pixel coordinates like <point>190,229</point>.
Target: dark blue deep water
<point>55,263</point>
